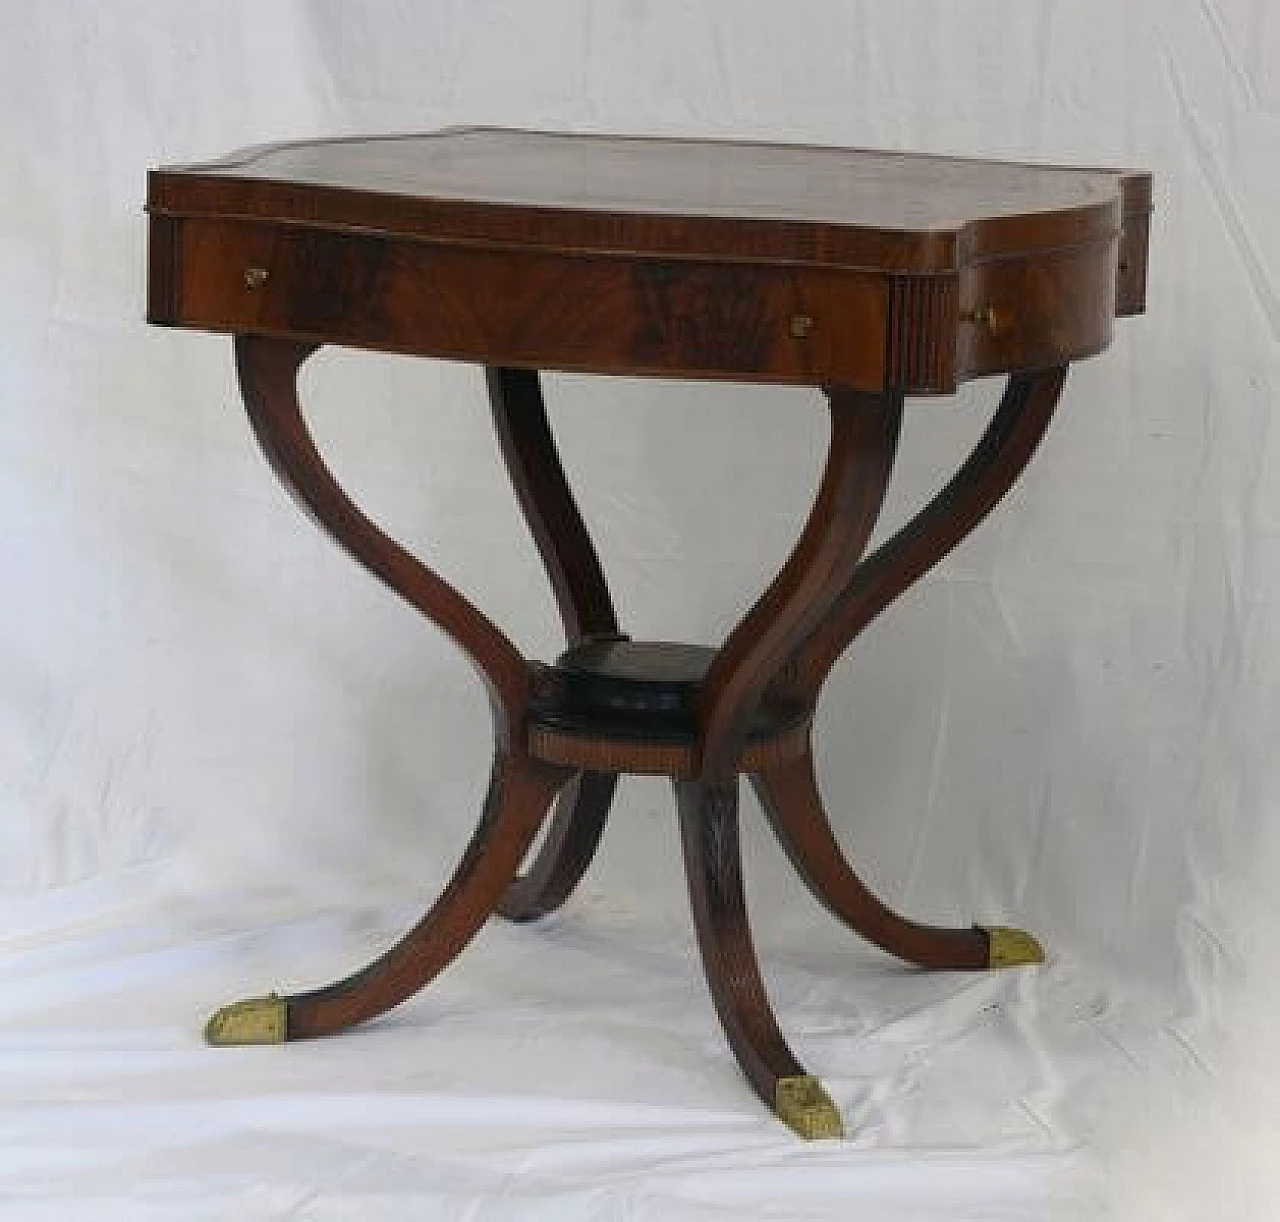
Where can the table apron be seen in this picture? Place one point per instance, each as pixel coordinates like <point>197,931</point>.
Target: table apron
<point>600,313</point>
<point>625,314</point>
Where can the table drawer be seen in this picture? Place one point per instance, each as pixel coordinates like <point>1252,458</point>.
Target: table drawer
<point>1044,309</point>
<point>673,317</point>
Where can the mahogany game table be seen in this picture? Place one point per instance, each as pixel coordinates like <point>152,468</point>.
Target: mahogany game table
<point>871,276</point>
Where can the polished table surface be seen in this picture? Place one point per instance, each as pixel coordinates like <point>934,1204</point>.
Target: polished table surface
<point>756,261</point>
<point>871,275</point>
<point>826,188</point>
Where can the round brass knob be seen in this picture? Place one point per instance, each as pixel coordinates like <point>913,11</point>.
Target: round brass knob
<point>994,320</point>
<point>255,277</point>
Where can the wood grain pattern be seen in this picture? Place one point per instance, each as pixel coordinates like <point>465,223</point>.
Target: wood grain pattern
<point>788,264</point>
<point>530,309</point>
<point>520,791</point>
<point>788,793</point>
<point>787,789</point>
<point>716,199</point>
<point>864,437</point>
<point>572,838</point>
<point>268,372</point>
<point>586,611</point>
<point>713,867</point>
<point>970,495</point>
<point>546,501</point>
<point>521,787</point>
<point>1041,312</point>
<point>871,275</point>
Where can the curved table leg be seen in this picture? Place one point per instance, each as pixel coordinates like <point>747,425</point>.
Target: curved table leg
<point>572,839</point>
<point>268,371</point>
<point>864,434</point>
<point>586,611</point>
<point>788,794</point>
<point>864,439</point>
<point>970,495</point>
<point>709,833</point>
<point>520,791</point>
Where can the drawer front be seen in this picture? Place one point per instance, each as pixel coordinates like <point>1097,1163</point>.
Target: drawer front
<point>550,310</point>
<point>1043,310</point>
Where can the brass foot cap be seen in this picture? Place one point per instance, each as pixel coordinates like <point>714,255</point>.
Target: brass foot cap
<point>803,1105</point>
<point>258,1020</point>
<point>1011,947</point>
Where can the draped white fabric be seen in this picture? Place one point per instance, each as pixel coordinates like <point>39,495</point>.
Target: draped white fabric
<point>229,761</point>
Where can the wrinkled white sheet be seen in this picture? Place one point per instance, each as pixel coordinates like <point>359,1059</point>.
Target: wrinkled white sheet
<point>229,762</point>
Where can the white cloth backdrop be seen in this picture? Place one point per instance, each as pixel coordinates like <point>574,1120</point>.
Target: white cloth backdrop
<point>229,761</point>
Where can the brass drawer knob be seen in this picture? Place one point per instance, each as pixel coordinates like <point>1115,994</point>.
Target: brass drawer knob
<point>994,320</point>
<point>255,277</point>
<point>801,325</point>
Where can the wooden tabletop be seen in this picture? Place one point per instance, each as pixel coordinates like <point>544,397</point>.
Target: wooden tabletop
<point>817,202</point>
<point>897,231</point>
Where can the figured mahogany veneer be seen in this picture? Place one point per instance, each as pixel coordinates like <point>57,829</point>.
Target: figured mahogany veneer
<point>774,263</point>
<point>870,275</point>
